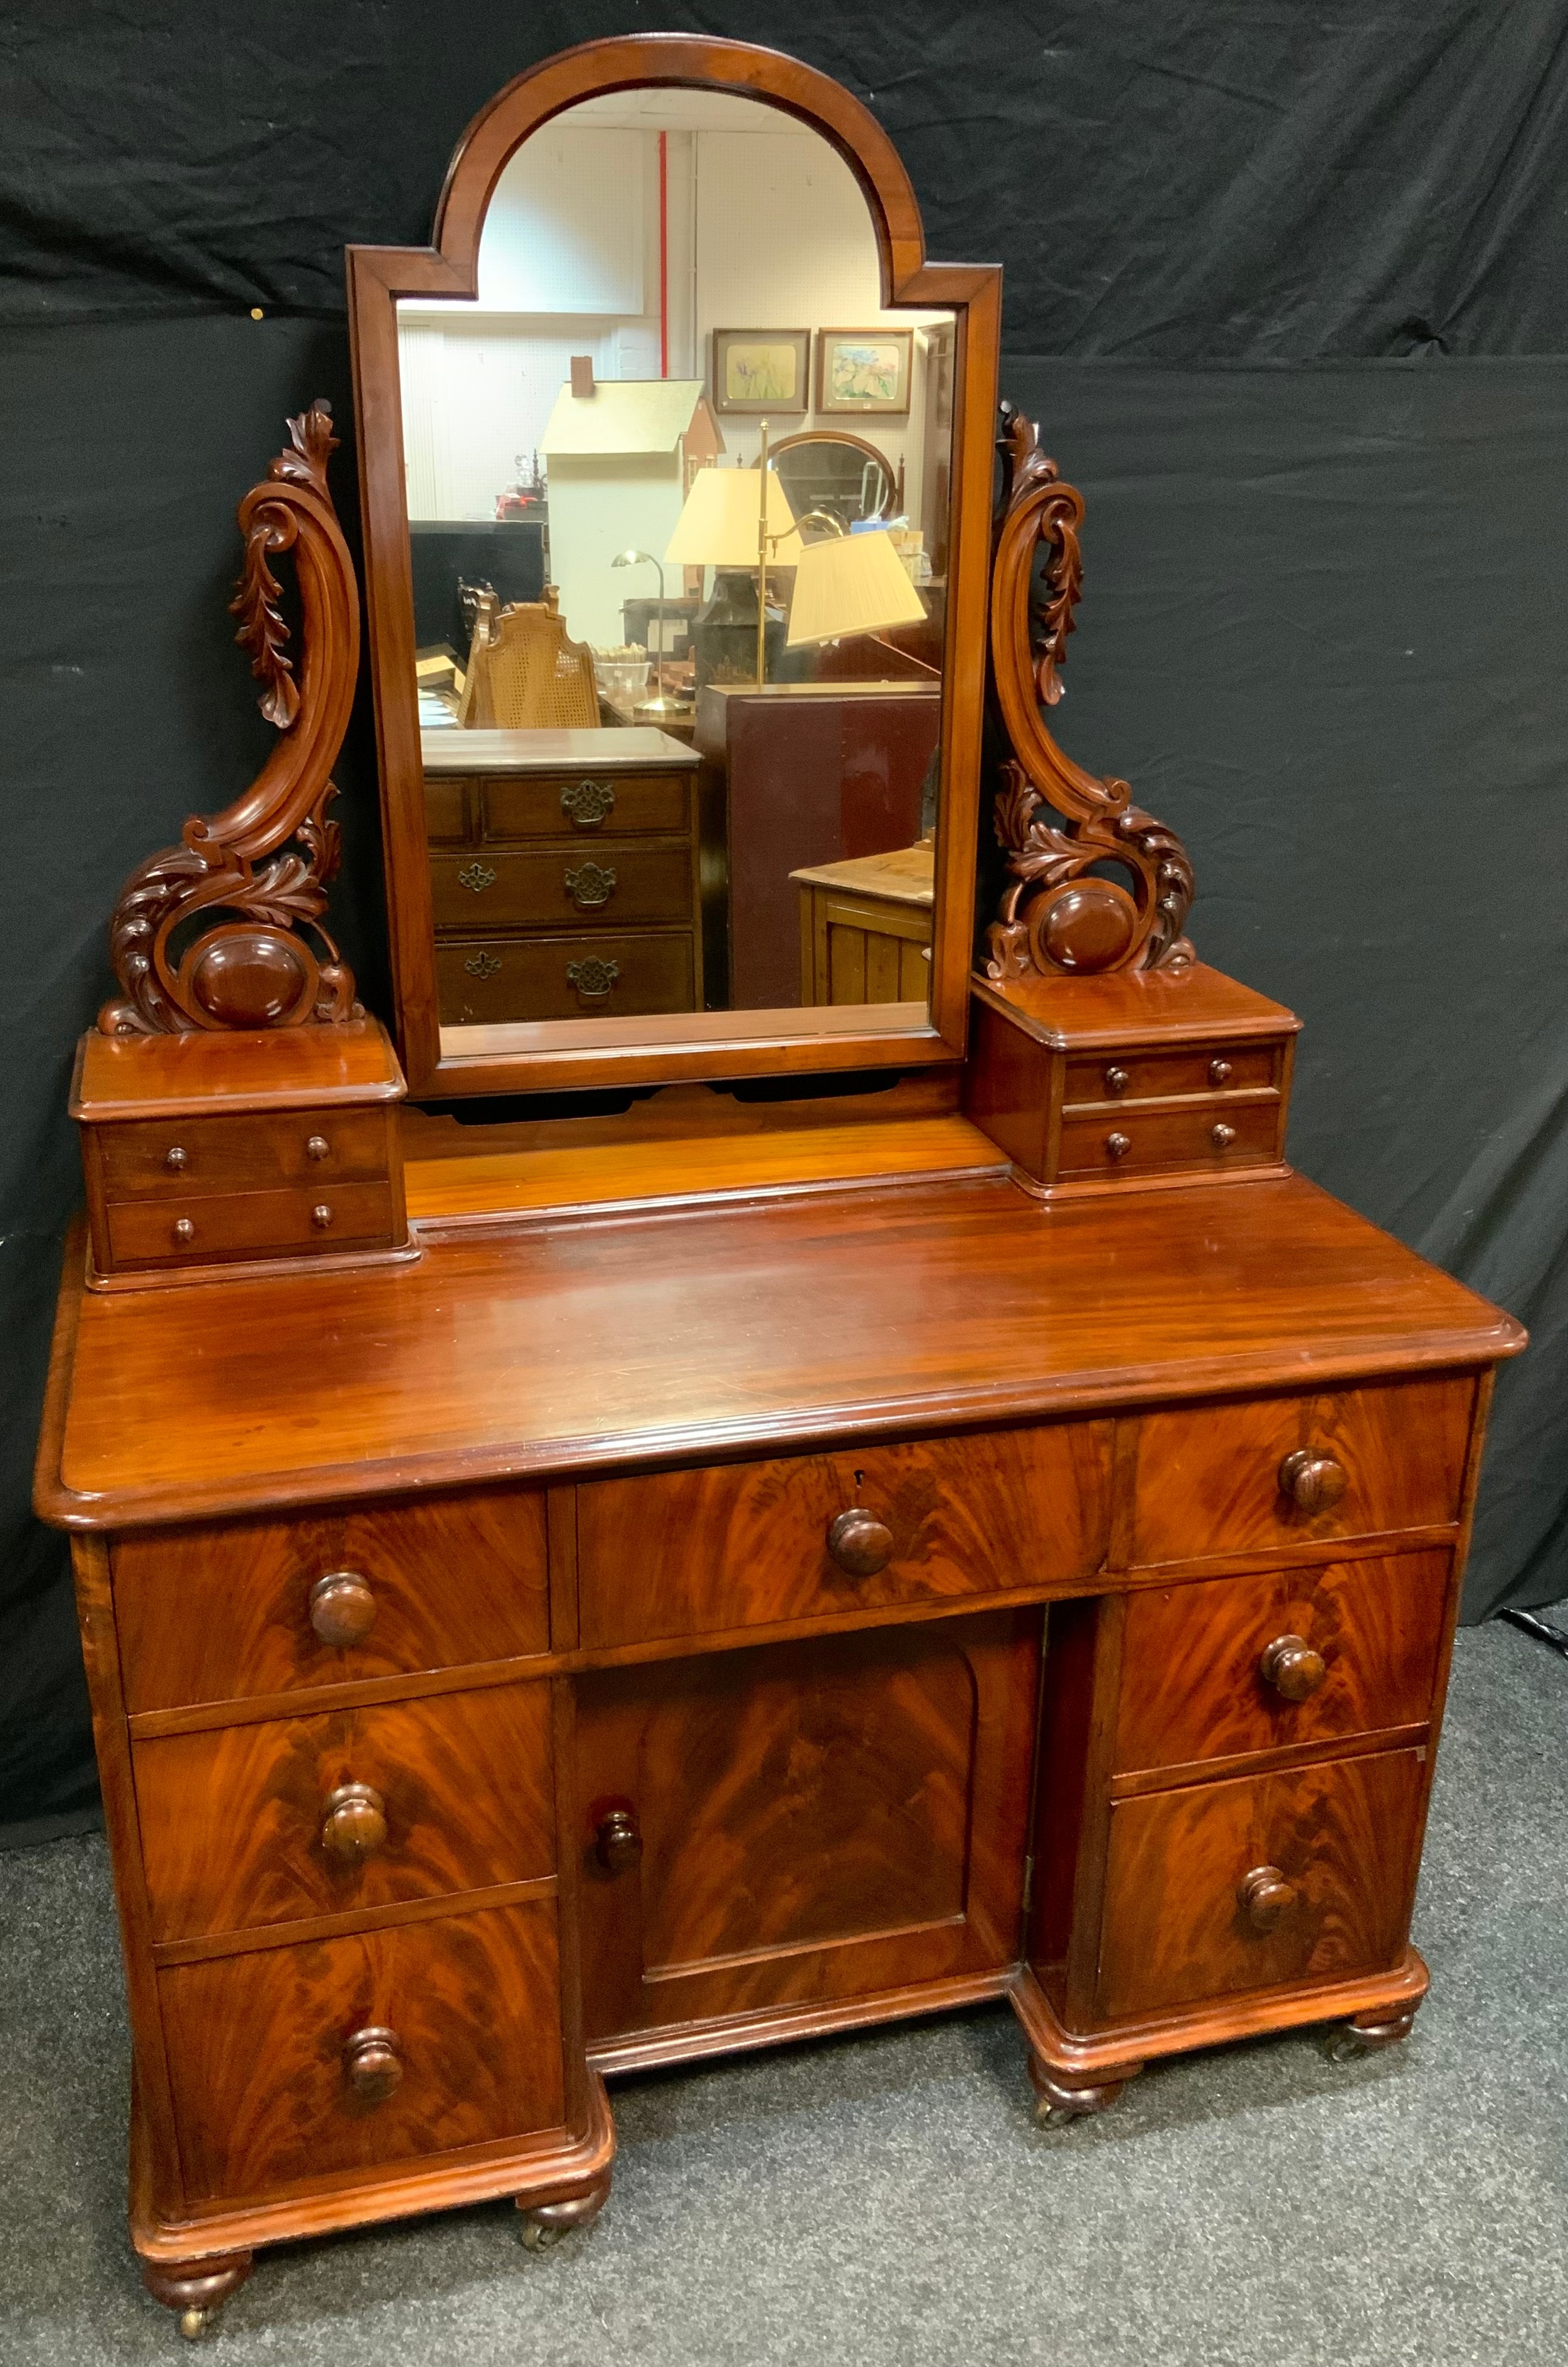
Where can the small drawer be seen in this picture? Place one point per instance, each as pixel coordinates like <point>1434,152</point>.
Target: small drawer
<point>1304,1875</point>
<point>1207,1136</point>
<point>182,1158</point>
<point>285,1819</point>
<point>360,2053</point>
<point>1231,1665</point>
<point>585,805</point>
<point>607,886</point>
<point>1139,1076</point>
<point>307,1220</point>
<point>601,977</point>
<point>743,1544</point>
<point>218,1613</point>
<point>447,812</point>
<point>1291,1470</point>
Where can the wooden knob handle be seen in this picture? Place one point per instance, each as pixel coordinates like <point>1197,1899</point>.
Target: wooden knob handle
<point>342,1609</point>
<point>1117,1081</point>
<point>1221,1137</point>
<point>1117,1146</point>
<point>1313,1480</point>
<point>175,1159</point>
<point>372,2064</point>
<point>184,1230</point>
<point>617,1843</point>
<point>1219,1072</point>
<point>317,1146</point>
<point>859,1543</point>
<point>1292,1668</point>
<point>1267,1898</point>
<point>354,1822</point>
<point>321,1216</point>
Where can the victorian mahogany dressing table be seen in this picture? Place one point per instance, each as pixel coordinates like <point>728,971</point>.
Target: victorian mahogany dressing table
<point>575,1592</point>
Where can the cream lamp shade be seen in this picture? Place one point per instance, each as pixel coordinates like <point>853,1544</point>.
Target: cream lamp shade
<point>717,526</point>
<point>850,584</point>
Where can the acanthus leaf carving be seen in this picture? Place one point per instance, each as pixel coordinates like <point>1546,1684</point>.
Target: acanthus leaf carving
<point>225,930</point>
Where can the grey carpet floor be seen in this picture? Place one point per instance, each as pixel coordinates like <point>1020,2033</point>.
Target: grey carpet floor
<point>887,2198</point>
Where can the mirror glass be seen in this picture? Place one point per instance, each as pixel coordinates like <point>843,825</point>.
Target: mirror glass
<point>678,497</point>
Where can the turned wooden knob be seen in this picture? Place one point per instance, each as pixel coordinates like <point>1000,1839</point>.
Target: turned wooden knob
<point>1117,1081</point>
<point>354,1822</point>
<point>1219,1072</point>
<point>321,1216</point>
<point>1267,1898</point>
<point>1117,1146</point>
<point>317,1146</point>
<point>174,1160</point>
<point>372,2065</point>
<point>343,1608</point>
<point>184,1230</point>
<point>859,1543</point>
<point>1313,1480</point>
<point>1221,1136</point>
<point>617,1843</point>
<point>1292,1668</point>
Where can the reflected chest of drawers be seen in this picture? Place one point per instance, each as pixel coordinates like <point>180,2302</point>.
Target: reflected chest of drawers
<point>563,874</point>
<point>476,1735</point>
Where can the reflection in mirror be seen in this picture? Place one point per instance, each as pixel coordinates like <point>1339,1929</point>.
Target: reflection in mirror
<point>678,543</point>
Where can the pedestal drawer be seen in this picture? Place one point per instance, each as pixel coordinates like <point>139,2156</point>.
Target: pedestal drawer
<point>379,2048</point>
<point>215,1613</point>
<point>1239,1664</point>
<point>313,1219</point>
<point>1207,1135</point>
<point>286,1818</point>
<point>739,1544</point>
<point>1303,1875</point>
<point>1287,1470</point>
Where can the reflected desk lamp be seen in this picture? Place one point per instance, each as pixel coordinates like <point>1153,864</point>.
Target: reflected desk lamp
<point>660,705</point>
<point>730,520</point>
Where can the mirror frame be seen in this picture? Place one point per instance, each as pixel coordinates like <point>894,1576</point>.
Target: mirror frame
<point>688,1044</point>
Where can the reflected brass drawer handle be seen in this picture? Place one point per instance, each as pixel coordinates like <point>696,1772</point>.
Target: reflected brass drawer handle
<point>859,1543</point>
<point>1267,1898</point>
<point>1313,1481</point>
<point>1292,1668</point>
<point>477,876</point>
<point>591,884</point>
<point>589,803</point>
<point>343,1608</point>
<point>593,978</point>
<point>482,965</point>
<point>372,2064</point>
<point>354,1823</point>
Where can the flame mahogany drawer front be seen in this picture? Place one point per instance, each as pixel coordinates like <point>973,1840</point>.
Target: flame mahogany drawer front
<point>1146,1076</point>
<point>315,1216</point>
<point>618,882</point>
<point>215,1613</point>
<point>1283,1471</point>
<point>281,1819</point>
<point>1234,1665</point>
<point>1306,1875</point>
<point>181,1158</point>
<point>743,1544</point>
<point>354,2053</point>
<point>1214,1134</point>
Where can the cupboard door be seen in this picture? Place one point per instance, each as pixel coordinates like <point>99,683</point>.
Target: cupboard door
<point>803,1823</point>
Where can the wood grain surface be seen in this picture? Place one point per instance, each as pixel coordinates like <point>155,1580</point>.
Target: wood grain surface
<point>693,1552</point>
<point>216,1614</point>
<point>1207,1487</point>
<point>1345,1835</point>
<point>587,1345</point>
<point>1192,1687</point>
<point>232,1820</point>
<point>257,2045</point>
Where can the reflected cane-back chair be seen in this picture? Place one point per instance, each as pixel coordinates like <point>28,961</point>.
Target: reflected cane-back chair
<point>526,674</point>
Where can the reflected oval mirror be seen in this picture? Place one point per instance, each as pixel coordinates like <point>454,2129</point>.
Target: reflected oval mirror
<point>677,481</point>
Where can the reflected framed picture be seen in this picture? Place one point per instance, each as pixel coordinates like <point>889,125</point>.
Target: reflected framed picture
<point>761,372</point>
<point>864,370</point>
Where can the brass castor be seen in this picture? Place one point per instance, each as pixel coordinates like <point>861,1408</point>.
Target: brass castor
<point>544,2224</point>
<point>195,2289</point>
<point>1063,2101</point>
<point>1352,2041</point>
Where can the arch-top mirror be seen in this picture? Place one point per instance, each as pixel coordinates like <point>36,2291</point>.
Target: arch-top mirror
<point>677,466</point>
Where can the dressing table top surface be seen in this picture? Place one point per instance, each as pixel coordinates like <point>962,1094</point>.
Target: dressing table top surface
<point>559,1346</point>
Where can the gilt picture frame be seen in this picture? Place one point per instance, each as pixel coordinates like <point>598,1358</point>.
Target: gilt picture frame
<point>864,373</point>
<point>761,373</point>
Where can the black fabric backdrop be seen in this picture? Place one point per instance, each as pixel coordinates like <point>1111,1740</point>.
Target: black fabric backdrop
<point>1286,286</point>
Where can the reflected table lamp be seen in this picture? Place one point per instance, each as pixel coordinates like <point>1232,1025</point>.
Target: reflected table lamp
<point>724,526</point>
<point>847,584</point>
<point>660,707</point>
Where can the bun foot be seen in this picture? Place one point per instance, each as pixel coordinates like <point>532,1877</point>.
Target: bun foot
<point>544,2224</point>
<point>1367,2035</point>
<point>197,2289</point>
<point>1064,2100</point>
